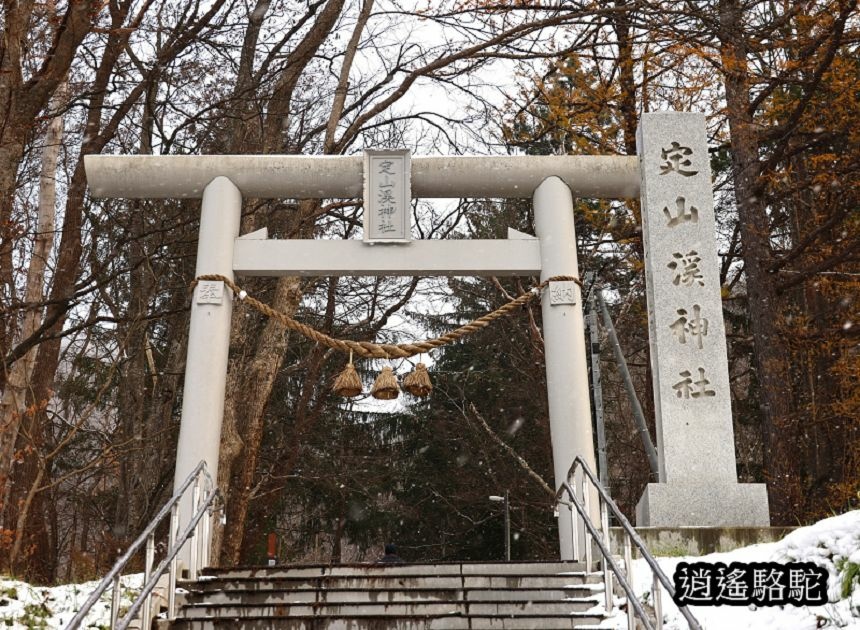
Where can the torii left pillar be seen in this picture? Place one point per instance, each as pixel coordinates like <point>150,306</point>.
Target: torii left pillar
<point>209,337</point>
<point>564,348</point>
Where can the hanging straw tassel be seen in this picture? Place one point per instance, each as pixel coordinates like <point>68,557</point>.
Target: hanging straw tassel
<point>385,386</point>
<point>418,382</point>
<point>348,382</point>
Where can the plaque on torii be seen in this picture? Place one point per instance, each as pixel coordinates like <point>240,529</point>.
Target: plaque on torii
<point>387,196</point>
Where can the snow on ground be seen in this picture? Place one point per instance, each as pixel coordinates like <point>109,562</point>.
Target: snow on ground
<point>36,607</point>
<point>833,543</point>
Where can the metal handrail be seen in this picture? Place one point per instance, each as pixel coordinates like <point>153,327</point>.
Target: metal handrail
<point>148,586</point>
<point>631,595</point>
<point>147,537</point>
<point>606,502</point>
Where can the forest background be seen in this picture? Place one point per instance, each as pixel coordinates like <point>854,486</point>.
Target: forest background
<point>94,294</point>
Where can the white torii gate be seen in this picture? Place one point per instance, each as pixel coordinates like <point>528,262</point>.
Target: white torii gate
<point>222,181</point>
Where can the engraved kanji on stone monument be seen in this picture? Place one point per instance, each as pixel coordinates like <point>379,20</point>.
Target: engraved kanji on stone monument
<point>682,213</point>
<point>387,196</point>
<point>693,325</point>
<point>695,443</point>
<point>688,388</point>
<point>686,269</point>
<point>676,159</point>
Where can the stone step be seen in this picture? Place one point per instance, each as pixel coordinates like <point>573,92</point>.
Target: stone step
<point>386,609</point>
<point>512,596</point>
<point>439,569</point>
<point>446,622</point>
<point>386,581</point>
<point>337,596</point>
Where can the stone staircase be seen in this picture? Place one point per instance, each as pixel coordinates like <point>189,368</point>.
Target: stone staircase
<point>517,595</point>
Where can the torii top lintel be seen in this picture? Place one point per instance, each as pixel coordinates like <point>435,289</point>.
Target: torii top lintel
<point>315,177</point>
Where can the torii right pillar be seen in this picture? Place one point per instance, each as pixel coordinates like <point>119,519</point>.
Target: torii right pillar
<point>698,483</point>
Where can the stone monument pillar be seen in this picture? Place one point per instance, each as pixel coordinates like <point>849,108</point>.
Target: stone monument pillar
<point>695,439</point>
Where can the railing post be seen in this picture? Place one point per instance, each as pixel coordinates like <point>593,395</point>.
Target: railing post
<point>195,504</point>
<point>574,538</point>
<point>607,572</point>
<point>146,613</point>
<point>628,568</point>
<point>114,601</point>
<point>171,579</point>
<point>507,526</point>
<point>586,505</point>
<point>200,539</point>
<point>658,603</point>
<point>198,533</point>
<point>206,535</point>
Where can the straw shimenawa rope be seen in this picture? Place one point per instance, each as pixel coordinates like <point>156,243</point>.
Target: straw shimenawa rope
<point>369,349</point>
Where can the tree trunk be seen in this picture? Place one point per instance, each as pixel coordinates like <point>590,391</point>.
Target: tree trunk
<point>14,400</point>
<point>626,79</point>
<point>778,434</point>
<point>133,390</point>
<point>12,142</point>
<point>21,103</point>
<point>258,378</point>
<point>44,365</point>
<point>249,382</point>
<point>11,153</point>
